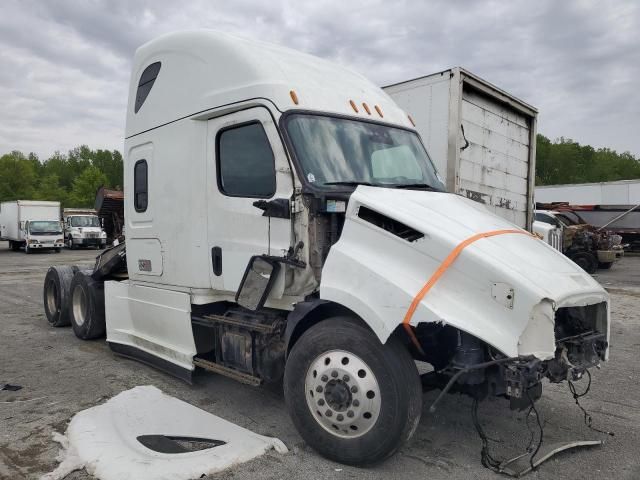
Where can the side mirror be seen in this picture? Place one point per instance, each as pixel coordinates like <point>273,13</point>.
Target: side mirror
<point>257,282</point>
<point>276,208</point>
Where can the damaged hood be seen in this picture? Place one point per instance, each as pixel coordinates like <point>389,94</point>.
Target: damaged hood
<point>503,289</point>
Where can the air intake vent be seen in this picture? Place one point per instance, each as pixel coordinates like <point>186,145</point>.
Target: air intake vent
<point>390,225</point>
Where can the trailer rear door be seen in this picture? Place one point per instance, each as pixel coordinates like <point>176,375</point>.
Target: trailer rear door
<point>494,159</point>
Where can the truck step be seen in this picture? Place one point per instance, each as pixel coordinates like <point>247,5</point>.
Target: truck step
<point>227,372</point>
<point>210,319</point>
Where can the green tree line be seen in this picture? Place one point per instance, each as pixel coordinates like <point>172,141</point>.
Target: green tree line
<point>566,161</point>
<point>71,179</point>
<point>74,178</point>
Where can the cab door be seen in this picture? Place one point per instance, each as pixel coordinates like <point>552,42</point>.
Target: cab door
<point>248,171</point>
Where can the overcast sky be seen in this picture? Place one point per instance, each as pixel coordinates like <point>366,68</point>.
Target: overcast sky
<point>64,65</point>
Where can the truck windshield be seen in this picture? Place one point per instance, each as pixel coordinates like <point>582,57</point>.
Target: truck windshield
<point>85,221</point>
<point>44,227</point>
<point>337,151</point>
<point>570,218</point>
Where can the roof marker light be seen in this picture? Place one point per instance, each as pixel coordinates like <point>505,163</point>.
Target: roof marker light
<point>294,97</point>
<point>366,108</point>
<point>379,111</point>
<point>411,120</point>
<point>353,105</point>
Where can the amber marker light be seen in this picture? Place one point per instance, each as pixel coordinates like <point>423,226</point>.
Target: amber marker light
<point>379,111</point>
<point>294,97</point>
<point>366,108</point>
<point>411,120</point>
<point>353,105</point>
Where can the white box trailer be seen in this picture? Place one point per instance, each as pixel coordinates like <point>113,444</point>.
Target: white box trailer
<point>621,192</point>
<point>481,139</point>
<point>33,224</point>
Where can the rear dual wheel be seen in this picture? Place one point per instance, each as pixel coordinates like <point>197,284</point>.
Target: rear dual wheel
<point>87,313</point>
<point>353,399</point>
<point>56,293</point>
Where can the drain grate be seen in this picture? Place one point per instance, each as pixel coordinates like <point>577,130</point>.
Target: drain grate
<point>175,444</point>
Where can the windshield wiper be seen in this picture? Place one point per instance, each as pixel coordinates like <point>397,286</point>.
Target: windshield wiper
<point>353,183</point>
<point>413,185</point>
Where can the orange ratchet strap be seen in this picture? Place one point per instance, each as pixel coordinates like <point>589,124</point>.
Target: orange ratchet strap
<point>444,266</point>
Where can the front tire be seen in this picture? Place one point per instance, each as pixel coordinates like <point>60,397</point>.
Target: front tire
<point>87,306</point>
<point>353,399</point>
<point>587,261</point>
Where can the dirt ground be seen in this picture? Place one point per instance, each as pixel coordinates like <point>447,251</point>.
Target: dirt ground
<point>62,375</point>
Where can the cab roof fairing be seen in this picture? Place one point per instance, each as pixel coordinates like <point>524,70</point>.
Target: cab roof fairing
<point>202,70</point>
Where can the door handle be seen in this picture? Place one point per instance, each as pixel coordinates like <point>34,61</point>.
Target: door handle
<point>216,261</point>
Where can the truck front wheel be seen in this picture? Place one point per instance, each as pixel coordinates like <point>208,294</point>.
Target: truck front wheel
<point>586,260</point>
<point>353,399</point>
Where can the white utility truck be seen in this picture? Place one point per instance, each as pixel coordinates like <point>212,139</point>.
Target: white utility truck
<point>284,220</point>
<point>481,139</point>
<point>32,224</point>
<point>82,228</point>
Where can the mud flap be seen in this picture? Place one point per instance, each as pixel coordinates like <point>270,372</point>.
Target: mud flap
<point>521,465</point>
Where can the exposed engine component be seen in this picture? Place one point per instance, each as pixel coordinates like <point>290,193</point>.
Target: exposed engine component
<point>245,342</point>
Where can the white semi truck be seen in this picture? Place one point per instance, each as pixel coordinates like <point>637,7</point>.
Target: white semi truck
<point>285,221</point>
<point>32,224</point>
<point>82,228</point>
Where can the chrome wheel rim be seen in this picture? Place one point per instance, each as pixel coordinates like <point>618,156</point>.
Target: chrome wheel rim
<point>79,302</point>
<point>342,394</point>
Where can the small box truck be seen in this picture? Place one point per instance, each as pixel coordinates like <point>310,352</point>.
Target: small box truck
<point>32,224</point>
<point>82,228</point>
<point>285,222</point>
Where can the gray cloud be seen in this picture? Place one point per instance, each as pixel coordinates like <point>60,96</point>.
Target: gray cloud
<point>64,65</point>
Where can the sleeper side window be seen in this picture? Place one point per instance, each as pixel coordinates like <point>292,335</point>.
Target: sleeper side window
<point>245,161</point>
<point>147,79</point>
<point>140,186</point>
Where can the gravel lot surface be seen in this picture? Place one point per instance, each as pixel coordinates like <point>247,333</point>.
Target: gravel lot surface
<point>62,375</point>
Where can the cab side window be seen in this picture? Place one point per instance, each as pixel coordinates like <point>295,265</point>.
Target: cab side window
<point>245,162</point>
<point>140,186</point>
